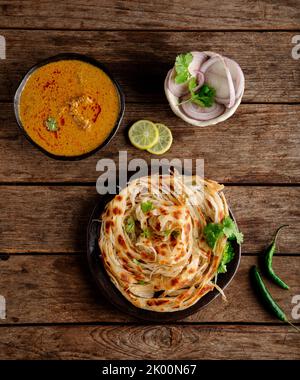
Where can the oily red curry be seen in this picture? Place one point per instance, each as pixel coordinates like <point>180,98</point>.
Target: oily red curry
<point>69,107</point>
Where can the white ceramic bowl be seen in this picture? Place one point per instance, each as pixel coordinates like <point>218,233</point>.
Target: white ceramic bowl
<point>174,100</point>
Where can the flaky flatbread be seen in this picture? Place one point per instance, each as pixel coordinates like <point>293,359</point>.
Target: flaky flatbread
<point>152,241</point>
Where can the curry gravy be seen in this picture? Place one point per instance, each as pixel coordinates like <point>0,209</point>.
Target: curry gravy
<point>79,97</point>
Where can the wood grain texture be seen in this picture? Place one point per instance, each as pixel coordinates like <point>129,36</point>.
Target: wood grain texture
<point>140,60</point>
<point>138,41</point>
<point>54,219</point>
<point>259,144</point>
<point>149,342</point>
<point>163,14</point>
<point>58,289</point>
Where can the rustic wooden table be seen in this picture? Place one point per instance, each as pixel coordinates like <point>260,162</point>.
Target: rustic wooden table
<point>53,310</point>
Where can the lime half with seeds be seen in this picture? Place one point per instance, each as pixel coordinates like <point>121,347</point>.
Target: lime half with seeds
<point>164,140</point>
<point>143,134</point>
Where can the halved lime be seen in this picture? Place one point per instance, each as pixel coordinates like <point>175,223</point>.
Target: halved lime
<point>143,134</point>
<point>164,141</point>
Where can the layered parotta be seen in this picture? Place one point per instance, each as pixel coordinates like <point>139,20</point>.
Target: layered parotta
<point>152,242</point>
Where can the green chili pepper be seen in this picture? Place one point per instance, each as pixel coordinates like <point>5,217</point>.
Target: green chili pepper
<point>267,298</point>
<point>268,262</point>
<point>263,291</point>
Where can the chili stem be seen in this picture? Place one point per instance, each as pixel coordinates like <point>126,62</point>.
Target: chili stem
<point>269,262</point>
<point>295,327</point>
<point>278,229</point>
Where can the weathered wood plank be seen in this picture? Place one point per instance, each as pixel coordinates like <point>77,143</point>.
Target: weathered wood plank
<point>140,60</point>
<point>54,219</point>
<point>259,144</point>
<point>58,289</point>
<point>149,342</point>
<point>193,14</point>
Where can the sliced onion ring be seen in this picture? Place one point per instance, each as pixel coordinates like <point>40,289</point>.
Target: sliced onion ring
<point>214,78</point>
<point>237,76</point>
<point>198,59</point>
<point>196,112</point>
<point>176,89</point>
<point>200,80</point>
<point>181,89</point>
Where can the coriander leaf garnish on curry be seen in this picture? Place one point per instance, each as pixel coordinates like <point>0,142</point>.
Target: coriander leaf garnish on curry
<point>69,107</point>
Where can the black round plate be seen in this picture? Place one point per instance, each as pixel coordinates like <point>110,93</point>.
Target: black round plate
<point>108,289</point>
<point>78,57</point>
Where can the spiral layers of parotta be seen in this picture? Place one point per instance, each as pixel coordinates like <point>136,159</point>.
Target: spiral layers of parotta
<point>157,255</point>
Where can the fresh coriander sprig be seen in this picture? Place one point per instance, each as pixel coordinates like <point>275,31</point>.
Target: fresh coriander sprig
<point>231,231</point>
<point>204,97</point>
<point>146,233</point>
<point>213,232</point>
<point>130,225</point>
<point>136,262</point>
<point>182,67</point>
<point>228,255</point>
<point>147,206</point>
<point>51,124</point>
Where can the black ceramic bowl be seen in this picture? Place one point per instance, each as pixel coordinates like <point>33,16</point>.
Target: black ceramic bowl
<point>78,57</point>
<point>112,294</point>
